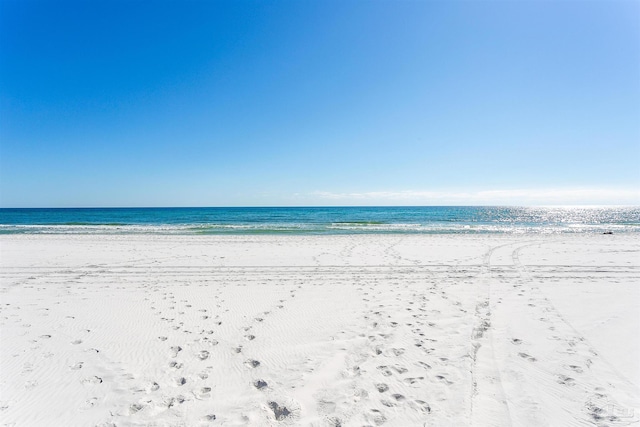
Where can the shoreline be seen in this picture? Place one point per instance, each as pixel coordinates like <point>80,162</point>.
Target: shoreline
<point>386,329</point>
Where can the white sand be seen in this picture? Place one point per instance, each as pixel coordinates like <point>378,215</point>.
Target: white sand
<point>339,330</point>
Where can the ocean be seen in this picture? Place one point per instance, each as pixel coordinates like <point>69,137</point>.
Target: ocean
<point>322,220</point>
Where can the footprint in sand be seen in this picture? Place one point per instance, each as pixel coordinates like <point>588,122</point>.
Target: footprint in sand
<point>252,363</point>
<point>260,384</point>
<point>399,369</point>
<point>526,356</point>
<point>172,401</point>
<point>280,412</point>
<point>398,397</point>
<point>422,406</point>
<point>175,350</point>
<point>176,365</point>
<point>443,379</point>
<point>413,380</point>
<point>203,393</point>
<point>382,387</point>
<point>565,380</point>
<point>385,371</point>
<point>92,380</point>
<point>378,418</point>
<point>135,407</point>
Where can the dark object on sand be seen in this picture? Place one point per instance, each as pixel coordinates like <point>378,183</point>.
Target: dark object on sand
<point>608,232</point>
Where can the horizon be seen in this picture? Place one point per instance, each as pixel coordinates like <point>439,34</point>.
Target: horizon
<point>329,207</point>
<point>330,103</point>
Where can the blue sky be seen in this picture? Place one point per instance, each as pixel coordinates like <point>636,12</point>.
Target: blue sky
<point>210,103</point>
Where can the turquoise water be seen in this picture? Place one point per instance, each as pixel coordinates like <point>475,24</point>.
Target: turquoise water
<point>320,220</point>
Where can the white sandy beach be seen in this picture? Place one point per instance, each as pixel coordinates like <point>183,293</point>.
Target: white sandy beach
<point>393,330</point>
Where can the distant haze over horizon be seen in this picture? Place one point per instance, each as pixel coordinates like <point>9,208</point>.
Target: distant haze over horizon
<point>286,103</point>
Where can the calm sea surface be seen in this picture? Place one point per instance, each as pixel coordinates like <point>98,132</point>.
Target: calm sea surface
<point>320,220</point>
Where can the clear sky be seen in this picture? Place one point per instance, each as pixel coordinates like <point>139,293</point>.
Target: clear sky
<point>211,103</point>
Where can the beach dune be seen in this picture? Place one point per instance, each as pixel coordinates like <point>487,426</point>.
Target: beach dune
<point>333,330</point>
